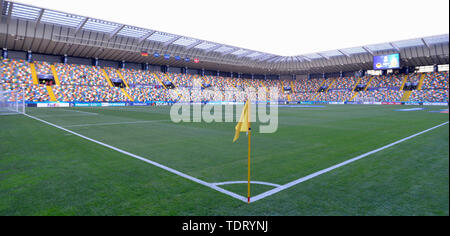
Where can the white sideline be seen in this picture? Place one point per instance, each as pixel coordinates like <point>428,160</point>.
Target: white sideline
<point>117,123</point>
<point>234,195</point>
<point>301,180</point>
<point>246,182</point>
<point>83,112</point>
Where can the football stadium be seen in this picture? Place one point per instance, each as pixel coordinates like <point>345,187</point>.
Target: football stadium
<point>99,117</point>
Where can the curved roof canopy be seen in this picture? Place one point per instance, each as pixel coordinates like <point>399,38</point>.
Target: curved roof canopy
<point>114,41</point>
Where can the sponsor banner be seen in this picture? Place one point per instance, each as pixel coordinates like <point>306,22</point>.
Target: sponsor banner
<point>336,103</point>
<point>373,103</point>
<point>52,104</point>
<point>138,104</point>
<point>391,103</point>
<point>117,104</point>
<point>87,104</point>
<point>435,104</point>
<point>412,104</point>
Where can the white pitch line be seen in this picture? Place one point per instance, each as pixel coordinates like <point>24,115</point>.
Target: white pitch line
<point>246,182</point>
<point>117,123</point>
<point>231,194</point>
<point>301,180</point>
<point>83,112</point>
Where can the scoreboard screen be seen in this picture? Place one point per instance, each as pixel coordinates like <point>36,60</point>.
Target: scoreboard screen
<point>386,62</point>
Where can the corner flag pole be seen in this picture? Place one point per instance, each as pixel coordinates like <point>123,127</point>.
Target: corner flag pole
<point>249,149</point>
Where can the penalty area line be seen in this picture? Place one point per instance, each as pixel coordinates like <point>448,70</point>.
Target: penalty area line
<point>301,180</point>
<point>212,186</point>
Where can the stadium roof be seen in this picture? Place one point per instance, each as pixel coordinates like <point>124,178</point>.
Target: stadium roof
<point>53,32</point>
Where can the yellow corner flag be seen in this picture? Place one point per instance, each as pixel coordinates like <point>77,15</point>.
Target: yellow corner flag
<point>244,125</point>
<point>244,122</point>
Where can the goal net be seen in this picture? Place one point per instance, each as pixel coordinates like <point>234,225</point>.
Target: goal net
<point>12,102</point>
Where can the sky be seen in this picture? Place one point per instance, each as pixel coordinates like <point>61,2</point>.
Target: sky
<point>281,27</point>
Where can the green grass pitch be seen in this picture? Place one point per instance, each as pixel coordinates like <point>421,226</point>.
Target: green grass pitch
<point>47,171</point>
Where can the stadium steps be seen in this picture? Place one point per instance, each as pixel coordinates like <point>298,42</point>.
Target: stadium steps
<point>356,85</point>
<point>34,73</point>
<point>422,79</point>
<point>232,85</point>
<point>107,78</point>
<point>405,79</point>
<point>247,83</point>
<point>320,86</point>
<point>406,96</point>
<point>323,82</point>
<point>168,77</point>
<point>354,96</point>
<point>368,84</point>
<point>293,87</point>
<point>159,80</point>
<point>331,85</point>
<point>126,94</point>
<point>55,75</point>
<point>112,86</point>
<point>262,83</point>
<point>176,87</point>
<point>289,96</point>
<point>122,78</point>
<point>51,94</point>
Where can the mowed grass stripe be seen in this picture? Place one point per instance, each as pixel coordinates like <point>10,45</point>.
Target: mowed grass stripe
<point>308,141</point>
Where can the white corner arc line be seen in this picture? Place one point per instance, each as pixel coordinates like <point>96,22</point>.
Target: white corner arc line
<point>301,180</point>
<point>224,191</point>
<point>246,182</point>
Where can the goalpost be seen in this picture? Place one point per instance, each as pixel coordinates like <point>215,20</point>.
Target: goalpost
<point>12,102</point>
<point>362,100</point>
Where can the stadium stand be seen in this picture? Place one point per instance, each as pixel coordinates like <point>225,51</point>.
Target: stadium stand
<point>84,83</point>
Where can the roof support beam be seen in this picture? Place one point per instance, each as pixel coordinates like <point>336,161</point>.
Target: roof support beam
<point>166,44</point>
<point>323,56</point>
<point>299,59</point>
<point>1,6</point>
<point>278,59</point>
<point>116,31</point>
<point>347,55</point>
<point>245,54</point>
<point>368,50</point>
<point>267,58</point>
<point>262,57</point>
<point>307,59</point>
<point>395,47</point>
<point>146,36</point>
<point>194,44</point>
<point>41,13</point>
<point>425,43</point>
<point>274,59</point>
<point>82,24</point>
<point>213,48</point>
<point>11,5</point>
<point>230,51</point>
